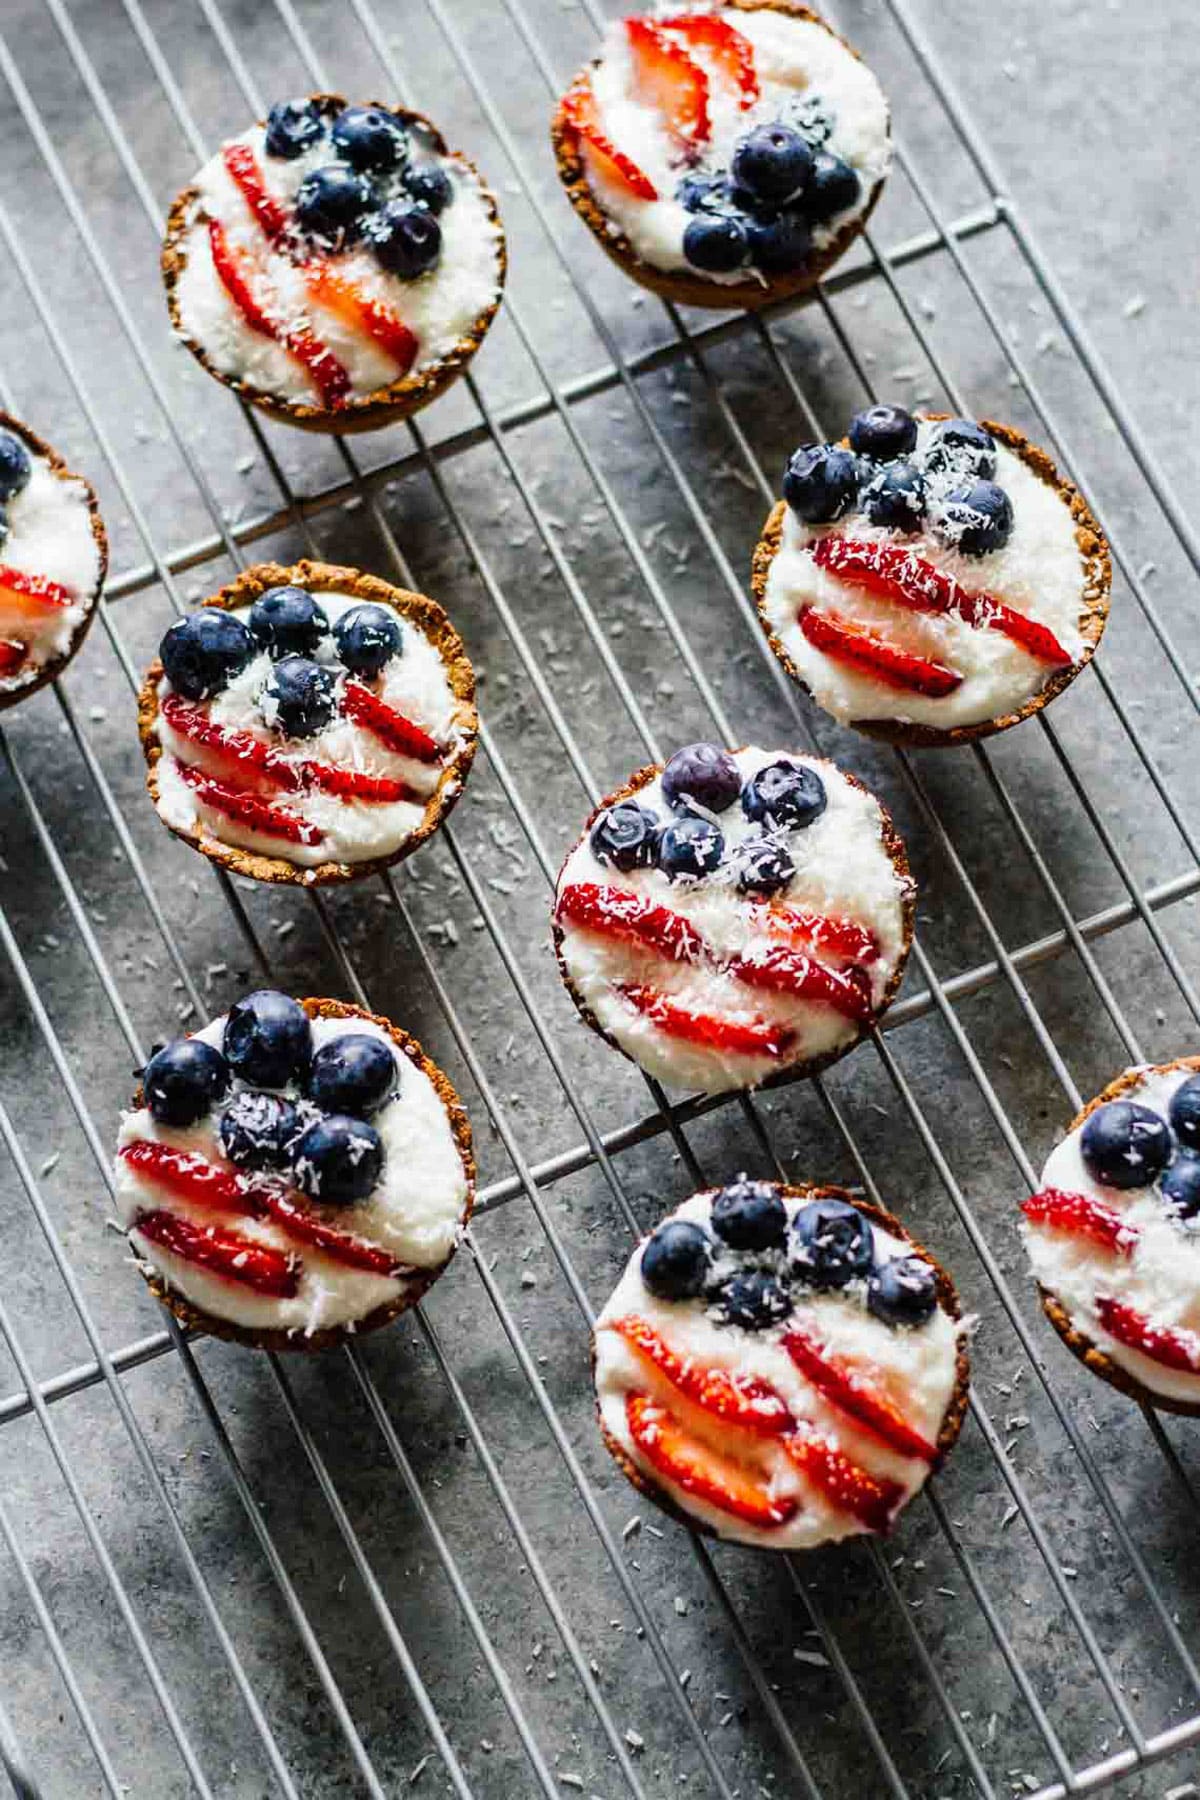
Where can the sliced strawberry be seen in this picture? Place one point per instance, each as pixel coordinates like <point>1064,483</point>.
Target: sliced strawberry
<point>666,78</point>
<point>26,598</point>
<point>705,1473</point>
<point>371,317</point>
<point>871,1499</point>
<point>1166,1344</point>
<point>736,1399</point>
<point>872,655</point>
<point>249,808</point>
<point>388,725</point>
<point>845,1387</point>
<point>727,49</point>
<point>611,164</point>
<point>241,749</point>
<point>223,1253</point>
<point>729,1037</point>
<point>242,166</point>
<point>803,977</point>
<point>615,913</point>
<point>841,937</point>
<point>352,784</point>
<point>12,655</point>
<point>904,577</point>
<point>191,1177</point>
<point>299,1221</point>
<point>1079,1215</point>
<point>330,378</point>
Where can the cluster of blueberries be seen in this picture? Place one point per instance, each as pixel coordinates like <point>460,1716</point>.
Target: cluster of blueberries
<point>15,470</point>
<point>753,1266</point>
<point>375,191</point>
<point>949,484</point>
<point>202,653</point>
<point>321,1139</point>
<point>1127,1145</point>
<point>699,780</point>
<point>780,182</point>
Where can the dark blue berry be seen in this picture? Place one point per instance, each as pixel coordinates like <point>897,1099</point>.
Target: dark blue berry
<point>293,126</point>
<point>831,1244</point>
<point>1124,1145</point>
<point>902,1291</point>
<point>337,1159</point>
<point>821,483</point>
<point>299,698</point>
<point>883,432</point>
<point>430,186</point>
<point>202,653</point>
<point>367,637</point>
<point>754,1300</point>
<point>369,138</point>
<point>961,447</point>
<point>717,243</point>
<point>355,1073</point>
<point>676,1259</point>
<point>750,1215</point>
<point>763,866</point>
<point>703,193</point>
<point>406,238</point>
<point>16,465</point>
<point>268,1039</point>
<point>256,1130</point>
<point>976,518</point>
<point>704,773</point>
<point>184,1080</point>
<point>1185,1112</point>
<point>287,621</point>
<point>896,497</point>
<point>690,846</point>
<point>832,187</point>
<point>332,205</point>
<point>1180,1186</point>
<point>772,162</point>
<point>625,835</point>
<point>779,245</point>
<point>784,793</point>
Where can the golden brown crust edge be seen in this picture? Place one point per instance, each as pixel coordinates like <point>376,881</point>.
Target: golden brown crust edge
<point>387,406</point>
<point>677,285</point>
<point>951,1420</point>
<point>195,1319</point>
<point>893,843</point>
<point>53,669</point>
<point>1078,1343</point>
<point>431,619</point>
<point>1094,604</point>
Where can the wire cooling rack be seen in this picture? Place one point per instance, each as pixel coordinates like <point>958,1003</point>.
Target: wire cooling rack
<point>410,1565</point>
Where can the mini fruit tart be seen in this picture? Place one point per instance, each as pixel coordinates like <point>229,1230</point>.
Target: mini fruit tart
<point>53,559</point>
<point>931,580</point>
<point>336,265</point>
<point>296,1173</point>
<point>308,724</point>
<point>1113,1235</point>
<point>782,1366</point>
<point>724,156</point>
<point>734,915</point>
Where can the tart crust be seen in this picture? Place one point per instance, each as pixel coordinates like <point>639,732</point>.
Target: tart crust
<point>676,284</point>
<point>952,1418</point>
<point>424,613</point>
<point>368,412</point>
<point>51,670</point>
<point>1078,1343</point>
<point>195,1319</point>
<point>1093,606</point>
<point>892,843</point>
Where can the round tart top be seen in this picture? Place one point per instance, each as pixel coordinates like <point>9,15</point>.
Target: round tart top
<point>295,1167</point>
<point>734,914</point>
<point>1114,1233</point>
<point>733,144</point>
<point>51,556</point>
<point>931,571</point>
<point>332,253</point>
<point>785,1366</point>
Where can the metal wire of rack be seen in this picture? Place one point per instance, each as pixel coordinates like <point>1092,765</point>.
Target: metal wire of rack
<point>840,1674</point>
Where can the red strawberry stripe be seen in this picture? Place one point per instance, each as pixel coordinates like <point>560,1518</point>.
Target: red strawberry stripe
<point>842,937</point>
<point>846,1388</point>
<point>871,1499</point>
<point>242,748</point>
<point>331,379</point>
<point>352,784</point>
<point>618,914</point>
<point>341,1246</point>
<point>12,655</point>
<point>248,808</point>
<point>906,578</point>
<point>1171,1346</point>
<point>35,587</point>
<point>737,1399</point>
<point>803,977</point>
<point>872,655</point>
<point>242,165</point>
<point>579,111</point>
<point>1080,1216</point>
<point>388,725</point>
<point>223,1253</point>
<point>701,1471</point>
<point>668,79</point>
<point>190,1177</point>
<point>732,53</point>
<point>733,1038</point>
<point>370,316</point>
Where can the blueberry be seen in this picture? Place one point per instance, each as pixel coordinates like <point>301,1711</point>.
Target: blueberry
<point>299,698</point>
<point>332,205</point>
<point>367,637</point>
<point>625,835</point>
<point>430,186</point>
<point>831,1244</point>
<point>883,432</point>
<point>763,865</point>
<point>202,653</point>
<point>896,497</point>
<point>16,465</point>
<point>256,1130</point>
<point>961,447</point>
<point>1124,1145</point>
<point>902,1291</point>
<point>369,138</point>
<point>780,245</point>
<point>690,846</point>
<point>772,161</point>
<point>754,1300</point>
<point>784,793</point>
<point>750,1215</point>
<point>355,1073</point>
<point>832,187</point>
<point>704,773</point>
<point>976,518</point>
<point>675,1260</point>
<point>293,126</point>
<point>703,193</point>
<point>821,483</point>
<point>406,238</point>
<point>287,621</point>
<point>337,1159</point>
<point>183,1080</point>
<point>1185,1112</point>
<point>1180,1186</point>
<point>716,243</point>
<point>268,1039</point>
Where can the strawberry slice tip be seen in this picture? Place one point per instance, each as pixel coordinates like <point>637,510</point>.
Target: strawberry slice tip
<point>257,1266</point>
<point>247,808</point>
<point>803,977</point>
<point>729,1037</point>
<point>736,1399</point>
<point>729,51</point>
<point>847,1388</point>
<point>18,585</point>
<point>704,1473</point>
<point>370,316</point>
<point>579,112</point>
<point>871,1499</point>
<point>872,655</point>
<point>615,913</point>
<point>1078,1215</point>
<point>1169,1345</point>
<point>668,79</point>
<point>388,725</point>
